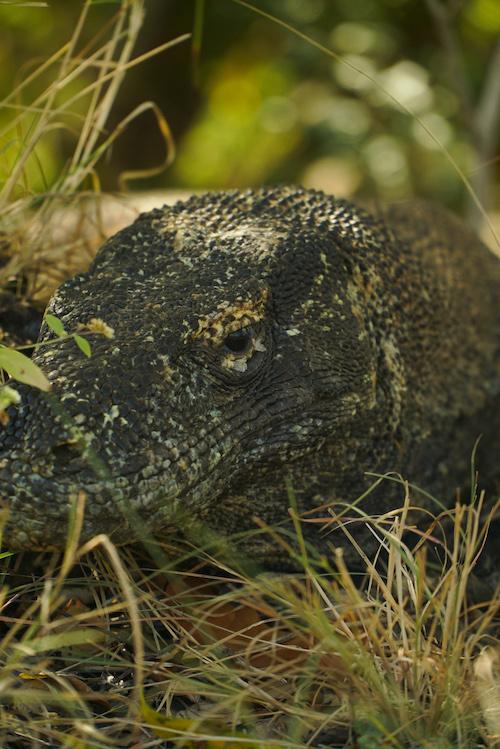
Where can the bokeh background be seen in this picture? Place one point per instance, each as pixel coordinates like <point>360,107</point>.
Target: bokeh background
<point>265,106</point>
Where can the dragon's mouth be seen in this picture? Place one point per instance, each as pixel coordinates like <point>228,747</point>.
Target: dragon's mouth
<point>130,487</point>
<point>38,508</point>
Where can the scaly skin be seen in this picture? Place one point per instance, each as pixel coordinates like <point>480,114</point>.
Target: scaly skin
<point>369,343</point>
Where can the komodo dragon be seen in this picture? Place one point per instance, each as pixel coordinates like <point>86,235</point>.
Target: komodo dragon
<point>262,339</point>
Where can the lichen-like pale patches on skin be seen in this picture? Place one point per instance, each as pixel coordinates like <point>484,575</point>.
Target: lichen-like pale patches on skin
<point>257,239</point>
<point>239,365</point>
<point>167,370</point>
<point>96,325</point>
<point>371,345</point>
<point>178,244</point>
<point>111,415</point>
<point>398,384</point>
<point>324,260</point>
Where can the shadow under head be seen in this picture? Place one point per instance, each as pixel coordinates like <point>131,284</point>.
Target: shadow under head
<point>262,339</point>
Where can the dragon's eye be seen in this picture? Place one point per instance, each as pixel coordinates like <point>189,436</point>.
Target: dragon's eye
<point>239,341</point>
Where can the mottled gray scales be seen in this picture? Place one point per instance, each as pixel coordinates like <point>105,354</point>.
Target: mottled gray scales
<point>261,336</point>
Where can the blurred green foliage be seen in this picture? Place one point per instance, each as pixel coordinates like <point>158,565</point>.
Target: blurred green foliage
<point>270,107</point>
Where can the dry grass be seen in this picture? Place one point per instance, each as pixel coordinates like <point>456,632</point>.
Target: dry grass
<point>179,644</point>
<point>107,648</point>
<point>70,95</point>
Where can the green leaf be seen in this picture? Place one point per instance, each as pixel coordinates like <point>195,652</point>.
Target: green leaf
<point>63,640</point>
<point>192,734</point>
<point>55,324</point>
<point>82,344</point>
<point>8,397</point>
<point>22,369</point>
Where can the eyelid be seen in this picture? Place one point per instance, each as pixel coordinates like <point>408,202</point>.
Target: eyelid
<point>235,326</point>
<point>245,310</point>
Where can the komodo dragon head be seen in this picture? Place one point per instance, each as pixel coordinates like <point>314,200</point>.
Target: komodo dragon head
<point>254,349</point>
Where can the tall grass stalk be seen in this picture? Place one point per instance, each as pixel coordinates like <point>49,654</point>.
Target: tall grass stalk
<point>104,647</point>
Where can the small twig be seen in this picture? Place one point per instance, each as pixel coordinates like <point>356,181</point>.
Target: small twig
<point>135,620</point>
<point>488,132</point>
<point>442,16</point>
<point>488,110</point>
<point>482,120</point>
<point>41,125</point>
<point>391,97</point>
<point>131,20</point>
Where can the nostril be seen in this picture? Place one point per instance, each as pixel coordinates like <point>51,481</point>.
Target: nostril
<point>66,452</point>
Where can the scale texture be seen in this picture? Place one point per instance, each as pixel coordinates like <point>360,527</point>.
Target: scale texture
<point>273,350</point>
